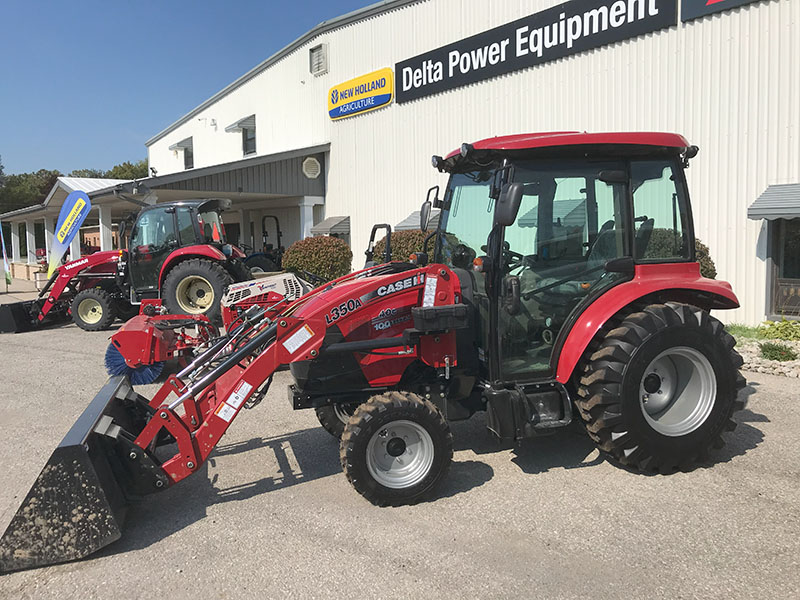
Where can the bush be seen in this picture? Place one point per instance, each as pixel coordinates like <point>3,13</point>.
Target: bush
<point>327,257</point>
<point>780,330</point>
<point>777,351</point>
<point>663,243</point>
<point>404,243</point>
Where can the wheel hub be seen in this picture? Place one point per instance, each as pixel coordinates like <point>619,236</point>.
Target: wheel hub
<point>395,447</point>
<point>400,455</point>
<point>678,391</point>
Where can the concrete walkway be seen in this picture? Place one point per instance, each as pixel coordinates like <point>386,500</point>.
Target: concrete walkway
<point>19,290</point>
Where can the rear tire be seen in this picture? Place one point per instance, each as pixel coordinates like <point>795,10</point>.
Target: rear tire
<point>93,309</point>
<point>396,448</point>
<point>661,388</point>
<point>333,418</point>
<point>261,264</point>
<point>196,287</point>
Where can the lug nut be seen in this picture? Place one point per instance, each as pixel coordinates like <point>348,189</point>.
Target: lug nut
<point>159,483</point>
<point>190,465</point>
<point>163,414</point>
<point>132,455</point>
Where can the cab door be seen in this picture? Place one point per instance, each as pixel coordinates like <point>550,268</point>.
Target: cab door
<point>153,238</point>
<point>570,223</point>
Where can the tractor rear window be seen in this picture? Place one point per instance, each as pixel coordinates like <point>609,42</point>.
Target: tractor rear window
<point>212,227</point>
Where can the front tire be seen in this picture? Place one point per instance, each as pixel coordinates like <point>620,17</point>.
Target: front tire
<point>261,264</point>
<point>396,448</point>
<point>196,287</point>
<point>661,388</point>
<point>93,309</point>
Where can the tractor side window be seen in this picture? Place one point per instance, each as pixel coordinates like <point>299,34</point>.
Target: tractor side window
<point>659,212</point>
<point>211,225</point>
<point>185,226</point>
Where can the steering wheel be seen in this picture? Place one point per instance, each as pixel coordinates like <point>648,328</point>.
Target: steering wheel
<point>544,288</point>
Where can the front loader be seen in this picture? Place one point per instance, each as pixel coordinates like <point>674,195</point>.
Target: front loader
<point>545,302</point>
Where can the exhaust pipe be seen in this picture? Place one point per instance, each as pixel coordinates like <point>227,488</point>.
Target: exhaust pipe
<point>78,503</point>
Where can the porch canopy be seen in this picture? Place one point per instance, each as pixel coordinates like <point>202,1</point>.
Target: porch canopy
<point>777,202</point>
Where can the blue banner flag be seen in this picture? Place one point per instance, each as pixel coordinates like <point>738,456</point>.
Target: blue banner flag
<point>6,268</point>
<point>72,215</point>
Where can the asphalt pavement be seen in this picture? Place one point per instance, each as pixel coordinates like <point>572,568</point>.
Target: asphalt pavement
<point>270,515</point>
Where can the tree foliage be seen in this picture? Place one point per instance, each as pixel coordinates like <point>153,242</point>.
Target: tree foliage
<point>2,174</point>
<point>128,170</point>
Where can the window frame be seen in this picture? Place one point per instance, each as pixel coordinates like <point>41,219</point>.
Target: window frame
<point>245,151</point>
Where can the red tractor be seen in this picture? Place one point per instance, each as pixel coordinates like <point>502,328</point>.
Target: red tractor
<point>177,253</point>
<point>563,285</point>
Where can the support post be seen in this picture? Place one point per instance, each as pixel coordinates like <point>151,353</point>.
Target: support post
<point>48,236</point>
<point>30,242</point>
<point>75,247</point>
<point>106,240</point>
<point>15,246</point>
<point>244,228</point>
<point>307,204</point>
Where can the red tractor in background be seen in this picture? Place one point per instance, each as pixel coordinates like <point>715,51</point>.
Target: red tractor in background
<point>177,252</point>
<point>546,301</point>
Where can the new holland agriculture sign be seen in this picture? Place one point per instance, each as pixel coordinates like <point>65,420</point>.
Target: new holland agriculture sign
<point>361,94</point>
<point>559,31</point>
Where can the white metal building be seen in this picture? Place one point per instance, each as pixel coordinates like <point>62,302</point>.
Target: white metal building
<point>724,74</point>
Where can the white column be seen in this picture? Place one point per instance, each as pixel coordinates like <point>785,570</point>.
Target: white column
<point>15,257</point>
<point>30,242</point>
<point>105,228</point>
<point>75,247</point>
<point>48,235</point>
<point>307,204</point>
<point>244,227</point>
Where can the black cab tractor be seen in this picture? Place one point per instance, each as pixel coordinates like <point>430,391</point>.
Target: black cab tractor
<point>562,285</point>
<point>177,252</point>
<point>269,257</point>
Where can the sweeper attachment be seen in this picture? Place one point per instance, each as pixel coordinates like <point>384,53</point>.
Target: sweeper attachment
<point>578,296</point>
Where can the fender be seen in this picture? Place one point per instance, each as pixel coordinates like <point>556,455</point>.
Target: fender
<point>198,250</point>
<point>684,278</point>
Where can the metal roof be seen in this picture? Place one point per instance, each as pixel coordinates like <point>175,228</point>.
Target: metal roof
<point>332,225</point>
<point>777,202</point>
<point>64,186</point>
<point>352,17</point>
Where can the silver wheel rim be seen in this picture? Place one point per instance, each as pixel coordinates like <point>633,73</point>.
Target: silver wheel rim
<point>677,391</point>
<point>343,412</point>
<point>400,455</point>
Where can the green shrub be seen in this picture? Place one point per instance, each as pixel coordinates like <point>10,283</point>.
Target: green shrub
<point>777,351</point>
<point>744,331</point>
<point>404,243</point>
<point>327,257</point>
<point>780,330</point>
<point>664,243</point>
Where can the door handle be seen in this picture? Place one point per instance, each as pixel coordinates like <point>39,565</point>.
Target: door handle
<point>511,294</point>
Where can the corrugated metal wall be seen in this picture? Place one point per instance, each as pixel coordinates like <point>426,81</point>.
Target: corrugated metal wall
<point>730,83</point>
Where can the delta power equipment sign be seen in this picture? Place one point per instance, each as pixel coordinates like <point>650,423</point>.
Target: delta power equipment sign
<point>361,94</point>
<point>559,31</point>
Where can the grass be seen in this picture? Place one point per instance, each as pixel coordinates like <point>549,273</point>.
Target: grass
<point>745,331</point>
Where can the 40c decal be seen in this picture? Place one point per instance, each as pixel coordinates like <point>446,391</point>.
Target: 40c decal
<point>337,312</point>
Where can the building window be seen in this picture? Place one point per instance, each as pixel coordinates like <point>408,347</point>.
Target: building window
<point>786,274</point>
<point>188,157</point>
<point>249,140</point>
<point>318,59</point>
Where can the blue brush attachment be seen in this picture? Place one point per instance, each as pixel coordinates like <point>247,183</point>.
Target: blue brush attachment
<point>116,365</point>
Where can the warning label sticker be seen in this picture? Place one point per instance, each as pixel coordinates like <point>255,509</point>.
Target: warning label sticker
<point>239,395</point>
<point>225,412</point>
<point>298,338</point>
<point>429,297</point>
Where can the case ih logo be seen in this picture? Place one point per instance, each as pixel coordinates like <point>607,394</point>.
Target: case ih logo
<point>692,9</point>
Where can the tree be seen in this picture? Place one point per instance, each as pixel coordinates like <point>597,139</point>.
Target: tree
<point>128,170</point>
<point>96,173</point>
<point>2,174</point>
<point>26,189</point>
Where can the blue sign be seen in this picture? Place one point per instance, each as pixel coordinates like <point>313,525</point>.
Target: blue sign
<point>73,214</point>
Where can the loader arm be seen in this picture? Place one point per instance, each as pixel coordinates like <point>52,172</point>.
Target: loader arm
<point>114,445</point>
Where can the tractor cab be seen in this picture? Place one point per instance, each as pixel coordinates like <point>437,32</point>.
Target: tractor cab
<point>164,228</point>
<point>537,234</point>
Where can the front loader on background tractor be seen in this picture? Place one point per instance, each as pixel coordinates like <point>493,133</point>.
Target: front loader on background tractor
<point>538,307</point>
<point>177,253</point>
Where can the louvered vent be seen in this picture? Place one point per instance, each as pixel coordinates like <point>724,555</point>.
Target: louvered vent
<point>318,59</point>
<point>311,167</point>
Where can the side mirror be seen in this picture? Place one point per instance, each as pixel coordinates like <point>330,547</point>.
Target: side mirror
<point>424,215</point>
<point>507,207</point>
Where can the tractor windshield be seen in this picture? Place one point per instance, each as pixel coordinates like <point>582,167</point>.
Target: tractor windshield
<point>212,227</point>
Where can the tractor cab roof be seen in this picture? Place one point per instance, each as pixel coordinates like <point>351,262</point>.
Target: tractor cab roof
<point>201,204</point>
<point>562,143</point>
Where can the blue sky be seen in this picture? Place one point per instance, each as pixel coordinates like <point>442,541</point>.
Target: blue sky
<point>84,84</point>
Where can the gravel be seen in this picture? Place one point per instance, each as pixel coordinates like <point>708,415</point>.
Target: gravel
<point>751,353</point>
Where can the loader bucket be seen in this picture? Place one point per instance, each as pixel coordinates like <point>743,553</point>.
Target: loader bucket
<point>16,317</point>
<point>79,500</point>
